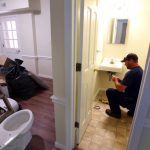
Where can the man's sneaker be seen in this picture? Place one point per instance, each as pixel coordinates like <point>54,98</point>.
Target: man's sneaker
<point>110,113</point>
<point>130,113</point>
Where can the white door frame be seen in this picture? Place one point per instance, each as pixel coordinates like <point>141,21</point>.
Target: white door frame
<point>70,58</point>
<point>141,108</point>
<point>70,7</point>
<point>70,76</point>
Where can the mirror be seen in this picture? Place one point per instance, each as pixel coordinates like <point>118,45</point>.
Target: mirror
<point>118,31</point>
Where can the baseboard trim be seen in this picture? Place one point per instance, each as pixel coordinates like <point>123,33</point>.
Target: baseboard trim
<point>37,57</point>
<point>102,89</point>
<point>44,57</point>
<point>58,100</point>
<point>45,76</point>
<point>60,146</point>
<point>95,95</point>
<point>30,57</point>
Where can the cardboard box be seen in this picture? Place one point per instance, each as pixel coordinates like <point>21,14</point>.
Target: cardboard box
<point>5,61</point>
<point>2,80</point>
<point>3,86</point>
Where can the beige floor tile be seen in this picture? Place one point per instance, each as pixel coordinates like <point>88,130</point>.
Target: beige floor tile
<point>103,108</point>
<point>93,146</point>
<point>100,132</point>
<point>106,133</point>
<point>100,125</point>
<point>96,117</point>
<point>84,144</point>
<point>129,120</point>
<point>103,118</point>
<point>119,146</point>
<point>110,134</point>
<point>105,148</point>
<point>121,131</point>
<point>96,112</point>
<point>88,136</point>
<point>109,143</point>
<point>113,121</point>
<point>97,139</point>
<point>90,129</point>
<point>107,125</point>
<point>105,122</point>
<point>93,123</point>
<point>123,120</point>
<point>128,125</point>
<point>110,128</point>
<point>122,125</point>
<point>128,131</point>
<point>121,139</point>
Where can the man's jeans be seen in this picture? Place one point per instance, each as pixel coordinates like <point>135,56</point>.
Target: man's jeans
<point>117,99</point>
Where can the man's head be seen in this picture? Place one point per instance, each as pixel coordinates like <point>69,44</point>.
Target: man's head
<point>131,60</point>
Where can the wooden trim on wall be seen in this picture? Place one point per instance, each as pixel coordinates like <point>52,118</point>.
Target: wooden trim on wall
<point>60,146</point>
<point>58,100</point>
<point>37,57</point>
<point>45,76</point>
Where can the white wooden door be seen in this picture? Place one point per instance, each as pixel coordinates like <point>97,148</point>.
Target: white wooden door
<point>140,133</point>
<point>9,41</point>
<point>88,27</point>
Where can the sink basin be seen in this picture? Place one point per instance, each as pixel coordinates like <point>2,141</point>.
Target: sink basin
<point>112,65</point>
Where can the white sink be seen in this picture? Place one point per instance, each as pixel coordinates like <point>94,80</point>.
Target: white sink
<point>111,64</point>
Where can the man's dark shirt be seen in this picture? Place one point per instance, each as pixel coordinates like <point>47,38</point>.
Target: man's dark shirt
<point>132,80</point>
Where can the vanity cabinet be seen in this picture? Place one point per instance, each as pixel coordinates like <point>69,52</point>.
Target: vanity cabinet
<point>14,5</point>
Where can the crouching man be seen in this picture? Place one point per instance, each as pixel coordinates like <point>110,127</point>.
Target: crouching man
<point>126,92</point>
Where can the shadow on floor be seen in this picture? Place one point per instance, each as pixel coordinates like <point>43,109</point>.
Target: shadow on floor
<point>36,143</point>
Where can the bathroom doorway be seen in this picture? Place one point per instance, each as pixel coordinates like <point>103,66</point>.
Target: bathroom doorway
<point>107,133</point>
<point>123,110</point>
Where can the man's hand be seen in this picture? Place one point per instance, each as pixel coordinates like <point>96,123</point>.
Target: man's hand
<point>120,87</point>
<point>115,78</point>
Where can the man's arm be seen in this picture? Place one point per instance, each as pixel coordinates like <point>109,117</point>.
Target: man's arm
<point>120,87</point>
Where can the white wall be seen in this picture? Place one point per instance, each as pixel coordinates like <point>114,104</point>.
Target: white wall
<point>26,41</point>
<point>43,39</point>
<point>137,37</point>
<point>57,31</point>
<point>35,40</point>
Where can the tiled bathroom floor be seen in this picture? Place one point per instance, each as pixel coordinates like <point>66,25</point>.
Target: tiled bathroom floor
<point>104,132</point>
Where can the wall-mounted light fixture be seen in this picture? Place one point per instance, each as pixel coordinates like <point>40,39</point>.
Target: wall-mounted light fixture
<point>120,9</point>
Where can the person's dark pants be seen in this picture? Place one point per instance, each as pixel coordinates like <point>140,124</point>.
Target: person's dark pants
<point>117,99</point>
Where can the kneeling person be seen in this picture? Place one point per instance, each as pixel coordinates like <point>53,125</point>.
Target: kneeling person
<point>126,92</point>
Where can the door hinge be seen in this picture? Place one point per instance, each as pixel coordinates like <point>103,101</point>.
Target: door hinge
<point>78,66</point>
<point>76,124</point>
